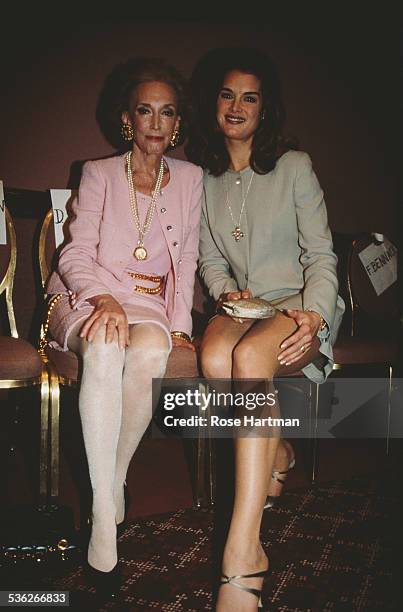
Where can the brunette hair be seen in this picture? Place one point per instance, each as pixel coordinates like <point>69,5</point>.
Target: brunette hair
<point>206,146</point>
<point>120,83</point>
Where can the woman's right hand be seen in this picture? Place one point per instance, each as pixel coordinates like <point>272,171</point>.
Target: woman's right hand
<point>233,295</point>
<point>107,312</point>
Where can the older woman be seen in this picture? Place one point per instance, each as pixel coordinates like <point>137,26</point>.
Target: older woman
<point>264,233</point>
<point>125,283</point>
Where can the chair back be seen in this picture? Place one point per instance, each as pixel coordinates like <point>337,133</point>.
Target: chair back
<point>48,249</point>
<point>342,247</point>
<point>48,257</point>
<point>8,263</point>
<point>377,312</point>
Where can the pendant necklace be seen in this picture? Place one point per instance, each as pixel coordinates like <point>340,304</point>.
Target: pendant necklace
<point>237,233</point>
<point>140,252</point>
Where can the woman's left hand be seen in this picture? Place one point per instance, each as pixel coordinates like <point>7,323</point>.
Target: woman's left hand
<point>301,341</point>
<point>183,343</point>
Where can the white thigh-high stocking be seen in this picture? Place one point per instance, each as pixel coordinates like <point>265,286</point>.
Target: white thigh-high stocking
<point>146,358</point>
<point>100,405</point>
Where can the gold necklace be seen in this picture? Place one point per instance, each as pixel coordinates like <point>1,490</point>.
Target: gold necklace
<point>237,233</point>
<point>140,252</point>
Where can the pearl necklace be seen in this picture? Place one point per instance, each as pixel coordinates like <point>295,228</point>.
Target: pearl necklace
<point>237,233</point>
<point>140,252</point>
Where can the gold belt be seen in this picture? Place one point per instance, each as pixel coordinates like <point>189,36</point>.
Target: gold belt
<point>151,278</point>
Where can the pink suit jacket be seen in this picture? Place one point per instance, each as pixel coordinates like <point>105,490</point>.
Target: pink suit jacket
<point>103,235</point>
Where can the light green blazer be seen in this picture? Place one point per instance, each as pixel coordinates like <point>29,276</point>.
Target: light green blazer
<point>287,246</point>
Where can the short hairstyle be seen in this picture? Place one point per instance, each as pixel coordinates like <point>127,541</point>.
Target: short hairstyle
<point>119,85</point>
<point>206,146</point>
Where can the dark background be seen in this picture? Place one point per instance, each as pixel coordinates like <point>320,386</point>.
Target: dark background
<point>340,72</point>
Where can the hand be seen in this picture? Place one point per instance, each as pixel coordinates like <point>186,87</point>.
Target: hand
<point>233,295</point>
<point>183,343</point>
<point>109,313</point>
<point>308,326</point>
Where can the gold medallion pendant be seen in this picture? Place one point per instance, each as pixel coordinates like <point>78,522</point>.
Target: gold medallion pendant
<point>140,253</point>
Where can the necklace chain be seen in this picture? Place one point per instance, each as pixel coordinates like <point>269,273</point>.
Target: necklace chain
<point>237,233</point>
<point>140,252</point>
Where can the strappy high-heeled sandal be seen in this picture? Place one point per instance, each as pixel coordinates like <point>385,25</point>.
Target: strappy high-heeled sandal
<point>256,592</point>
<point>271,500</point>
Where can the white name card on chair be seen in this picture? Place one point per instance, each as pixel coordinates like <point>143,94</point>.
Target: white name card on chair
<point>59,198</point>
<point>380,263</point>
<point>3,233</point>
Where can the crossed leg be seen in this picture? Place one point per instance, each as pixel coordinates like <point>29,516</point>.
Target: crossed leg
<point>245,351</point>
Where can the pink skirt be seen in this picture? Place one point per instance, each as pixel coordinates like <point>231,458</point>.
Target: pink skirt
<point>139,308</point>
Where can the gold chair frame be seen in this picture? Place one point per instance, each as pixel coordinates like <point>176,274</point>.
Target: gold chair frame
<point>55,380</point>
<point>6,286</point>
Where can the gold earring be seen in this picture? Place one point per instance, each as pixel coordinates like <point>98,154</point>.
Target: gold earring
<point>127,132</point>
<point>174,138</point>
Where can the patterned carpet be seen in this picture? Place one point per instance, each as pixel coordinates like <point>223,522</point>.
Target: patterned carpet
<point>329,546</point>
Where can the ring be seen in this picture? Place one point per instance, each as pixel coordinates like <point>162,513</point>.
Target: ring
<point>303,349</point>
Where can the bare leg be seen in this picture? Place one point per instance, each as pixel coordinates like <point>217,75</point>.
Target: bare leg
<point>285,452</point>
<point>254,457</point>
<point>100,405</point>
<point>284,455</point>
<point>146,358</point>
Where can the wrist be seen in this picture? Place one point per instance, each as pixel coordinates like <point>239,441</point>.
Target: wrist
<point>182,336</point>
<point>322,325</point>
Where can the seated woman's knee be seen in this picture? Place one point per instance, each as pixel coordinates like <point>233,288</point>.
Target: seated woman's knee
<point>148,345</point>
<point>102,355</point>
<point>216,360</point>
<point>148,334</point>
<point>250,353</point>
